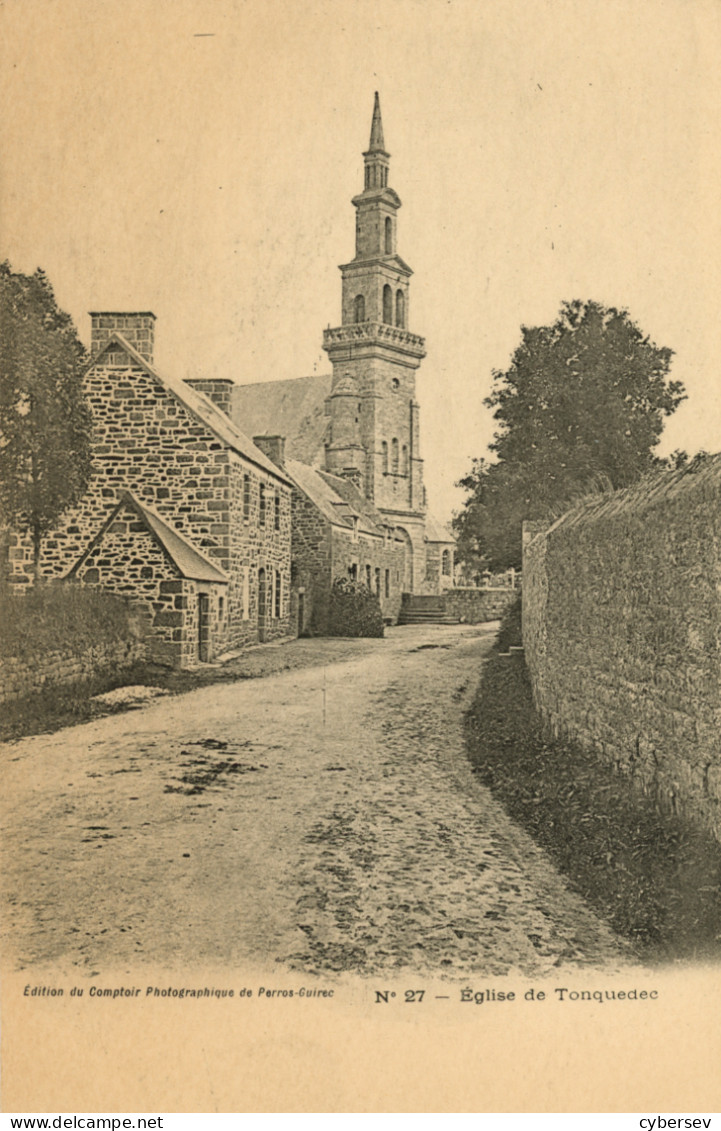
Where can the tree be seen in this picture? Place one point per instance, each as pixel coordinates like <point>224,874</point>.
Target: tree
<point>45,423</point>
<point>582,402</point>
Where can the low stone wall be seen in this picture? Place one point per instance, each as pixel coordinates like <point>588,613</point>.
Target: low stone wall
<point>475,606</point>
<point>622,633</point>
<point>27,676</point>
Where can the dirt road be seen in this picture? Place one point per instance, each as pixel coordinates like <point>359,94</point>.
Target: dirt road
<point>325,819</point>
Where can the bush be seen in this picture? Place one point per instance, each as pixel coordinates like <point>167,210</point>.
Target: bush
<point>60,615</point>
<point>353,610</point>
<point>510,630</point>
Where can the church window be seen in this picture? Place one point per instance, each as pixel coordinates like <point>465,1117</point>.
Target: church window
<point>278,592</point>
<point>394,456</point>
<point>360,308</point>
<point>400,309</point>
<point>277,511</point>
<point>261,505</point>
<point>384,456</point>
<point>368,576</point>
<point>378,581</point>
<point>446,563</point>
<point>246,593</point>
<point>404,463</point>
<point>389,235</point>
<point>353,571</point>
<point>388,583</point>
<point>388,305</point>
<point>246,497</point>
<point>368,176</point>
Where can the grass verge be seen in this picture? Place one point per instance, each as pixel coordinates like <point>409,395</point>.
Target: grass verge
<point>654,877</point>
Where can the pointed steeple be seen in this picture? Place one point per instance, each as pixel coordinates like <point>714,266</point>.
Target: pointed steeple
<point>376,156</point>
<point>376,145</point>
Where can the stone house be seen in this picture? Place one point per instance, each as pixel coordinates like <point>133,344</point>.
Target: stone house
<point>180,501</point>
<point>336,533</point>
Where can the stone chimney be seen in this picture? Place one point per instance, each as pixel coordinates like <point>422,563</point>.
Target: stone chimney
<point>273,447</point>
<point>137,328</point>
<point>219,390</point>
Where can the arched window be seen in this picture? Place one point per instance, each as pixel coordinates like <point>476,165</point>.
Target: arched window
<point>400,309</point>
<point>404,461</point>
<point>389,235</point>
<point>446,563</point>
<point>384,455</point>
<point>394,456</point>
<point>360,308</point>
<point>388,305</point>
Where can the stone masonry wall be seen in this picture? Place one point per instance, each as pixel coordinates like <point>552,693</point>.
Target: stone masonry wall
<point>476,606</point>
<point>622,634</point>
<point>147,442</point>
<point>22,677</point>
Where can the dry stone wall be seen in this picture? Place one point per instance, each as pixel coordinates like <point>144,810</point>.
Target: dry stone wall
<point>622,634</point>
<point>476,606</point>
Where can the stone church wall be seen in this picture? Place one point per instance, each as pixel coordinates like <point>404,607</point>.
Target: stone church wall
<point>622,634</point>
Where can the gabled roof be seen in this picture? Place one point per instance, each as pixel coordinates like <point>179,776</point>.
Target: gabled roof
<point>437,531</point>
<point>335,498</point>
<point>201,407</point>
<point>188,560</point>
<point>294,409</point>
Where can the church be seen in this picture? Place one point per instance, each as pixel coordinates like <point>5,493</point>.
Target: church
<point>362,423</point>
<point>230,541</point>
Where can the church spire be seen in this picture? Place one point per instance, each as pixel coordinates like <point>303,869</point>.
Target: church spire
<point>376,142</point>
<point>376,156</point>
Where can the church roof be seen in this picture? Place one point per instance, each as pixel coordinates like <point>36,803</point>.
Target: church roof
<point>188,560</point>
<point>200,406</point>
<point>294,409</point>
<point>437,531</point>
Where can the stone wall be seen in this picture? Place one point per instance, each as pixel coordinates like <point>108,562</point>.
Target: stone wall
<point>475,606</point>
<point>622,633</point>
<point>21,677</point>
<point>148,442</point>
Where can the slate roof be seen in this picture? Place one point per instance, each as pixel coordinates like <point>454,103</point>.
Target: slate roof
<point>437,531</point>
<point>294,409</point>
<point>200,406</point>
<point>188,560</point>
<point>336,498</point>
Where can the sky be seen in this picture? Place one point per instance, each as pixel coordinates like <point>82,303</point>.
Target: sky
<point>197,158</point>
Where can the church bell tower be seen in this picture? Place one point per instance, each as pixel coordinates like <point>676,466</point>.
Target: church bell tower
<point>374,427</point>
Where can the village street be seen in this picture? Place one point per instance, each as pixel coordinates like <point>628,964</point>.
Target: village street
<point>317,820</point>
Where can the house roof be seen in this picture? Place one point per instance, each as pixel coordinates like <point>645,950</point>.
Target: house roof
<point>437,531</point>
<point>294,409</point>
<point>200,406</point>
<point>335,498</point>
<point>188,560</point>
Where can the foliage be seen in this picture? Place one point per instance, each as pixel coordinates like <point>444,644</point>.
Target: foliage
<point>652,875</point>
<point>353,610</point>
<point>581,405</point>
<point>60,615</point>
<point>45,423</point>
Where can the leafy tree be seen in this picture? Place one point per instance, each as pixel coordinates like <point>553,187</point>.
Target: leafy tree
<point>581,403</point>
<point>45,423</point>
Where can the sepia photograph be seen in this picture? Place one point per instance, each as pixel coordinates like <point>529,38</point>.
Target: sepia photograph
<point>360,575</point>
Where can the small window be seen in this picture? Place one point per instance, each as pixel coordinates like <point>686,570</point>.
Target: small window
<point>277,511</point>
<point>384,456</point>
<point>261,505</point>
<point>221,608</point>
<point>278,592</point>
<point>389,235</point>
<point>388,583</point>
<point>388,305</point>
<point>404,463</point>
<point>395,384</point>
<point>246,497</point>
<point>394,456</point>
<point>378,581</point>
<point>353,572</point>
<point>360,308</point>
<point>368,576</point>
<point>400,309</point>
<point>446,563</point>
